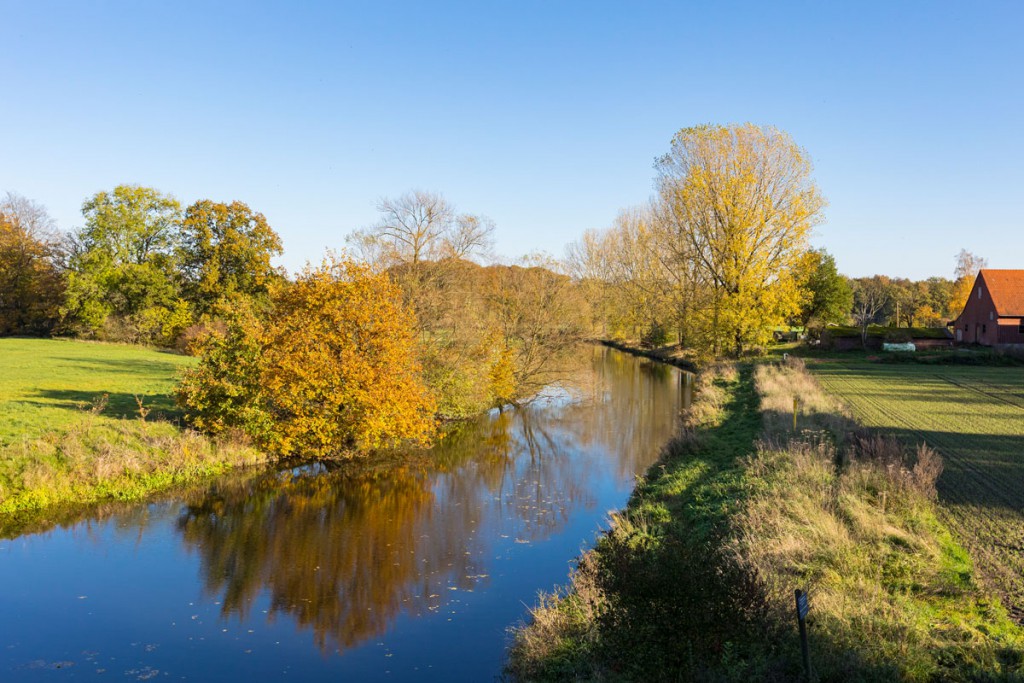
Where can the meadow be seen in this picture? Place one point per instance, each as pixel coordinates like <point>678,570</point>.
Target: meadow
<point>84,422</point>
<point>51,384</point>
<point>974,417</point>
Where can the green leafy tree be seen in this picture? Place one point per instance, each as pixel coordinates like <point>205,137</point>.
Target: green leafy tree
<point>829,296</point>
<point>225,256</point>
<point>123,273</point>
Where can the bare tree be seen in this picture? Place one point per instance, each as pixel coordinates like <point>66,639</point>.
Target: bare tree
<point>968,264</point>
<point>419,227</point>
<point>870,295</point>
<point>30,216</point>
<point>469,236</point>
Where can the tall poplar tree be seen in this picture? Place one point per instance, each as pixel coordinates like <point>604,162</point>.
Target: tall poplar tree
<point>742,201</point>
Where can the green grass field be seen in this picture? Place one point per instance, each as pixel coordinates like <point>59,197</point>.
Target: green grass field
<point>880,331</point>
<point>71,430</point>
<point>974,417</point>
<point>48,384</point>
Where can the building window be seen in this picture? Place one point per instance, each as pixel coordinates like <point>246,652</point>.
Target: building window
<point>979,292</point>
<point>1020,327</point>
<point>983,329</point>
<point>991,315</point>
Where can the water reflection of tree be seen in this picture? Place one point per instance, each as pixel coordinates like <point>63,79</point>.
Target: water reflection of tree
<point>345,551</point>
<point>640,406</point>
<point>339,551</point>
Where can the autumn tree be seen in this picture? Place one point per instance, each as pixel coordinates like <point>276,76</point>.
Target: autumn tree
<point>429,249</point>
<point>31,286</point>
<point>742,200</point>
<point>589,261</point>
<point>639,276</point>
<point>123,274</point>
<point>225,256</point>
<point>829,297</point>
<point>538,316</point>
<point>330,370</point>
<point>968,266</point>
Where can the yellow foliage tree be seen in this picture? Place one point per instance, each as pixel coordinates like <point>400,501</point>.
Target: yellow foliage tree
<point>926,316</point>
<point>331,371</point>
<point>968,266</point>
<point>741,201</point>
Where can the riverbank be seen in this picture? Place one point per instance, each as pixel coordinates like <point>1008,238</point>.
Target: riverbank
<point>672,355</point>
<point>86,422</point>
<point>695,579</point>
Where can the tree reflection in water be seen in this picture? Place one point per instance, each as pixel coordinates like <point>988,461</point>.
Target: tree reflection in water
<point>344,550</point>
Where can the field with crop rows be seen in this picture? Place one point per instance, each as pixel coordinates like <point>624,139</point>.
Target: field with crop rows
<point>974,416</point>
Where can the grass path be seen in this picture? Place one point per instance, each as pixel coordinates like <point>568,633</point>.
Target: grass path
<point>974,416</point>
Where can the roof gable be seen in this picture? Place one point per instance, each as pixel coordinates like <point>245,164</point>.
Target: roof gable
<point>1006,287</point>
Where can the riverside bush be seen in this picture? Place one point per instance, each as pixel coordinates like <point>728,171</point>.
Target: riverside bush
<point>329,371</point>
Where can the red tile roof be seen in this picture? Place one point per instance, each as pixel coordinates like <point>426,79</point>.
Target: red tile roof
<point>1007,290</point>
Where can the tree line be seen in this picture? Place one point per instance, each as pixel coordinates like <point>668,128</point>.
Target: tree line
<point>719,261</point>
<point>414,323</point>
<point>370,348</point>
<point>140,269</point>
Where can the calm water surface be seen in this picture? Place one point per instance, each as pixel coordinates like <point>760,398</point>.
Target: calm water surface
<point>407,572</point>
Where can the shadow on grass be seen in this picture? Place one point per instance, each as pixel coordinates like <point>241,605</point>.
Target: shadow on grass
<point>140,367</point>
<point>113,404</point>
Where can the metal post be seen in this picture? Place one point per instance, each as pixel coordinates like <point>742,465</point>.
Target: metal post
<point>796,407</point>
<point>801,615</point>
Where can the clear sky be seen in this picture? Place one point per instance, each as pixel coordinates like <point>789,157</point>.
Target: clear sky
<point>545,116</point>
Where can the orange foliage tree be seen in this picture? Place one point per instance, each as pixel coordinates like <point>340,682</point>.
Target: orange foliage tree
<point>330,371</point>
<point>31,286</point>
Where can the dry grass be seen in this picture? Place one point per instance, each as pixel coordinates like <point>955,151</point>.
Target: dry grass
<point>852,518</point>
<point>562,621</point>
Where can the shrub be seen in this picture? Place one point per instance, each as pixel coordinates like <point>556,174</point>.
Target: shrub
<point>331,370</point>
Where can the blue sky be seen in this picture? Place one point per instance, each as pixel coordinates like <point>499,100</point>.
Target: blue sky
<point>545,116</point>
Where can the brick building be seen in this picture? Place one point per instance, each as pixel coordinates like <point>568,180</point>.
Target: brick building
<point>994,314</point>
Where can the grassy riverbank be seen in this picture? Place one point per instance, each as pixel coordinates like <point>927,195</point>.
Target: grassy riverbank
<point>84,422</point>
<point>695,579</point>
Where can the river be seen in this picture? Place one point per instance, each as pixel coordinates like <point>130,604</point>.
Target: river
<point>412,569</point>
